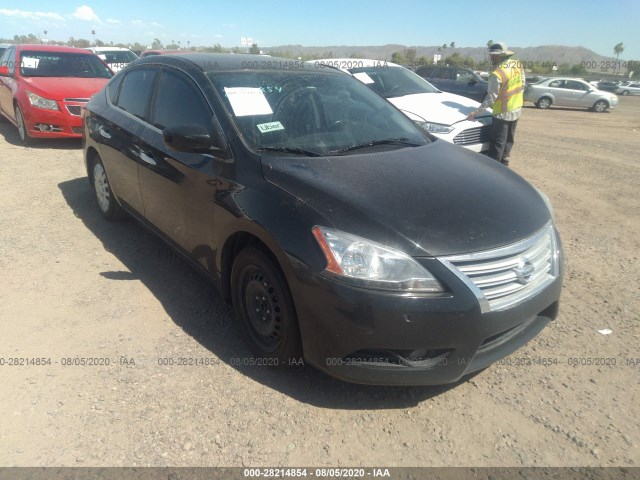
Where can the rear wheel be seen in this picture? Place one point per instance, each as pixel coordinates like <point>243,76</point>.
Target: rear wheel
<point>544,102</point>
<point>625,92</point>
<point>107,203</point>
<point>264,307</point>
<point>25,139</point>
<point>600,106</point>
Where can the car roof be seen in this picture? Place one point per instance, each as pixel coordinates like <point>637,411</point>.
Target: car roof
<point>51,48</point>
<point>210,62</point>
<point>108,49</point>
<point>359,62</point>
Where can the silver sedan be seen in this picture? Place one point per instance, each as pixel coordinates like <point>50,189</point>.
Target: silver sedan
<point>632,88</point>
<point>569,92</point>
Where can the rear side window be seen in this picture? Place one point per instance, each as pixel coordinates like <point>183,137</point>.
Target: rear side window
<point>556,84</point>
<point>113,87</point>
<point>179,102</point>
<point>425,71</point>
<point>136,90</point>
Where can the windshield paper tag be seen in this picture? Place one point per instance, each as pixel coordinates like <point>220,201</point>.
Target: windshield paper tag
<point>30,62</point>
<point>247,101</point>
<point>363,77</point>
<point>269,127</point>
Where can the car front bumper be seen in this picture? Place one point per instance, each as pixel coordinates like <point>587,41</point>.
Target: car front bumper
<point>374,337</point>
<point>61,123</point>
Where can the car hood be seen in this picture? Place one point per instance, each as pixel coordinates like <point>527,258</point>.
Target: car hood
<point>59,88</point>
<point>438,107</point>
<point>438,199</point>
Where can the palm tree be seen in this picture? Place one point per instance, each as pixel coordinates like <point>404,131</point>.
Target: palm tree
<point>452,44</point>
<point>45,36</point>
<point>618,49</point>
<point>93,32</point>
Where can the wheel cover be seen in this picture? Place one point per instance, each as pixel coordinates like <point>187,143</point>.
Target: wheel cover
<point>600,106</point>
<point>263,309</point>
<point>101,184</point>
<point>545,102</point>
<point>22,129</point>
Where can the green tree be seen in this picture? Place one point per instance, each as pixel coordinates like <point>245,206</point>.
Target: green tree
<point>254,49</point>
<point>156,44</point>
<point>410,55</point>
<point>489,43</point>
<point>398,57</point>
<point>618,49</point>
<point>633,69</point>
<point>452,44</point>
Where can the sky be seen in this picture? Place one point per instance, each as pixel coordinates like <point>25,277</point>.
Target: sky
<point>597,26</point>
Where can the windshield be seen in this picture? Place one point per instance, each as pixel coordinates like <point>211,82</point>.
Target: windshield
<point>118,56</point>
<point>392,81</point>
<point>312,113</point>
<point>62,64</point>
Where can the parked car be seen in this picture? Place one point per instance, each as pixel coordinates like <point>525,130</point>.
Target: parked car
<point>458,80</point>
<point>442,114</point>
<point>44,87</point>
<point>339,230</point>
<point>606,86</point>
<point>569,92</point>
<point>116,57</point>
<point>630,88</point>
<point>148,53</point>
<point>3,47</point>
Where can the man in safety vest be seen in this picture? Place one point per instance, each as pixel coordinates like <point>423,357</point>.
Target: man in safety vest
<point>505,96</point>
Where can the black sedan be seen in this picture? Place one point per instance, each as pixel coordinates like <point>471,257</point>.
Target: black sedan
<point>341,232</point>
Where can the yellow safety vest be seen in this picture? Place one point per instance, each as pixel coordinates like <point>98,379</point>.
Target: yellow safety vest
<point>510,96</point>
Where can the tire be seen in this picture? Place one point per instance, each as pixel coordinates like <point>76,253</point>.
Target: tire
<point>264,307</point>
<point>25,139</point>
<point>600,106</point>
<point>625,92</point>
<point>544,102</point>
<point>107,203</point>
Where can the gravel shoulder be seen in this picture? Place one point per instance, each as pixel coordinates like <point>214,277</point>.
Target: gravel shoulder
<point>75,286</point>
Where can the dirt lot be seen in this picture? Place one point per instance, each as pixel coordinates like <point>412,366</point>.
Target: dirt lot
<point>73,285</point>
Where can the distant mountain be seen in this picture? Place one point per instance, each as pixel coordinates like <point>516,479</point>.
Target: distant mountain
<point>545,53</point>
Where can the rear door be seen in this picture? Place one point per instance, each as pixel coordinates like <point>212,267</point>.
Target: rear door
<point>178,188</point>
<point>120,129</point>
<point>556,88</point>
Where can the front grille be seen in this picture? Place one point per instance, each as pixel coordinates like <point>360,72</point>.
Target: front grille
<point>507,276</point>
<point>81,100</point>
<point>473,136</point>
<point>75,110</point>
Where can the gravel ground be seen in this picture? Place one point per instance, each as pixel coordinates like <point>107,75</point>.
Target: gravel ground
<point>74,285</point>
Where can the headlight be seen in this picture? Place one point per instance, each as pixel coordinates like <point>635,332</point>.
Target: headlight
<point>364,263</point>
<point>434,127</point>
<point>38,101</point>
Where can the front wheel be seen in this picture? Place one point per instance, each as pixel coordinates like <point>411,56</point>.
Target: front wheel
<point>264,307</point>
<point>544,102</point>
<point>600,106</point>
<point>25,139</point>
<point>107,203</point>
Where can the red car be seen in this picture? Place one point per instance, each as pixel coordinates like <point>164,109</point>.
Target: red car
<point>44,87</point>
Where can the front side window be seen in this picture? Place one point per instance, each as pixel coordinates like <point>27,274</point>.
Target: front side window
<point>321,113</point>
<point>62,64</point>
<point>136,90</point>
<point>7,60</point>
<point>444,74</point>
<point>573,85</point>
<point>178,102</point>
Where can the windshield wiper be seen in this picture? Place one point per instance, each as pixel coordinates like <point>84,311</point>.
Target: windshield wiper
<point>299,151</point>
<point>386,141</point>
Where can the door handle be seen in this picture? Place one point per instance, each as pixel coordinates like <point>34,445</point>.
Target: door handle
<point>104,132</point>
<point>147,159</point>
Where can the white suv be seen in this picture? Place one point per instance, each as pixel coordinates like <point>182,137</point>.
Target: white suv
<point>440,113</point>
<point>116,57</point>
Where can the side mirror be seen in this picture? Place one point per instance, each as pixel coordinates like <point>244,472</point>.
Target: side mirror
<point>4,71</point>
<point>192,139</point>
